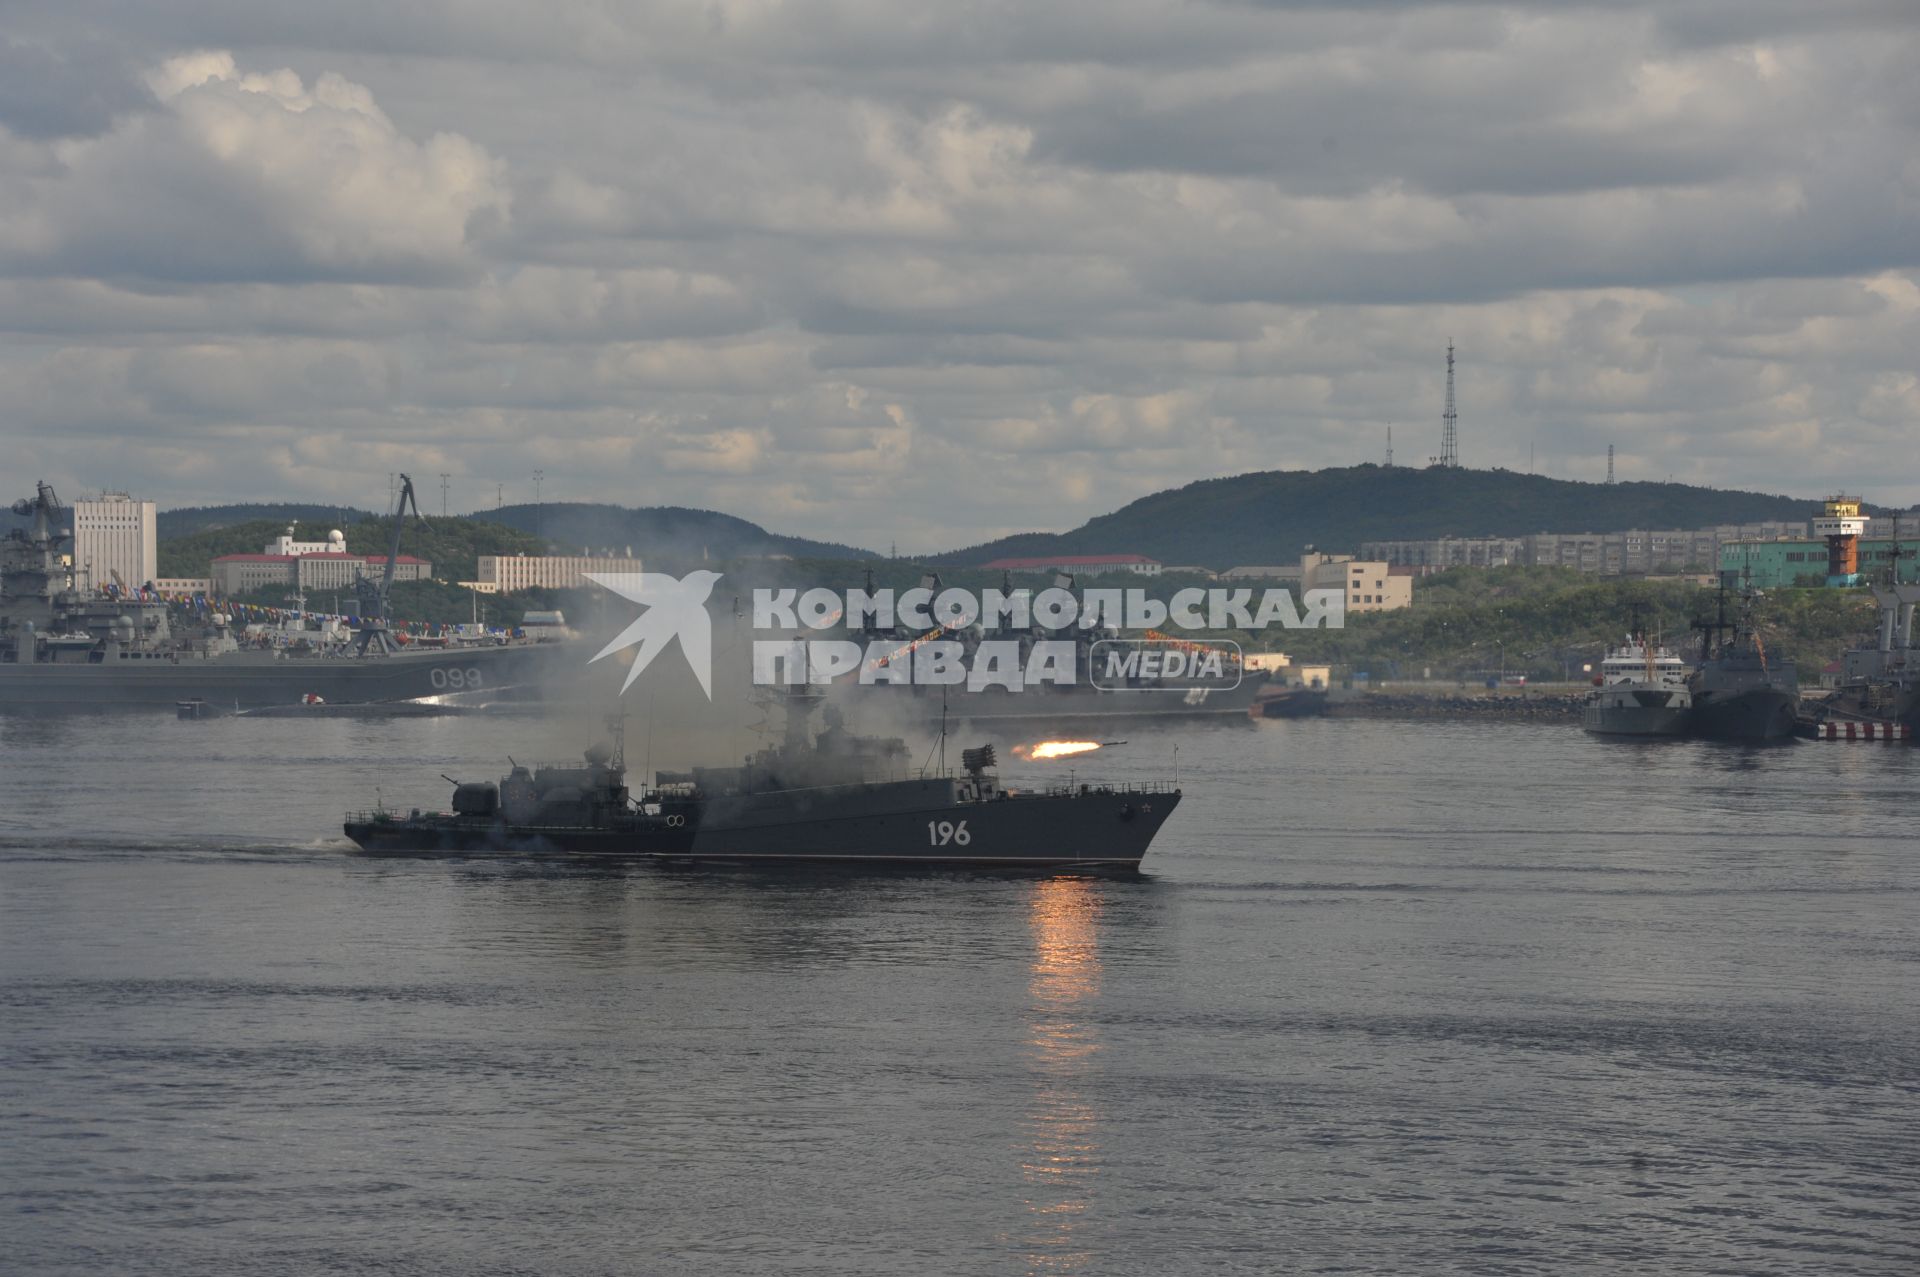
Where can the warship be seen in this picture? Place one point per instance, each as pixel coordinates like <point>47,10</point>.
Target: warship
<point>63,647</point>
<point>1881,682</point>
<point>1739,693</point>
<point>1641,690</point>
<point>827,797</point>
<point>1276,700</point>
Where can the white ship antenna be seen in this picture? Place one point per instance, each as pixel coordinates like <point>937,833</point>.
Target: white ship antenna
<point>940,745</point>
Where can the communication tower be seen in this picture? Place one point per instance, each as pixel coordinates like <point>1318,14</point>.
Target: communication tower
<point>1449,458</point>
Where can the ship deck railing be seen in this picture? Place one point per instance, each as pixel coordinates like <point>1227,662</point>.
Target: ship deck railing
<point>387,815</point>
<point>1069,789</point>
<point>567,765</point>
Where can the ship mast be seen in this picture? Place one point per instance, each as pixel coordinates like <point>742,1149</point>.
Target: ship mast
<point>1710,630</point>
<point>617,733</point>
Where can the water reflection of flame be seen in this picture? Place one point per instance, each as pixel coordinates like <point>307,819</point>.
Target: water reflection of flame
<point>1062,1154</point>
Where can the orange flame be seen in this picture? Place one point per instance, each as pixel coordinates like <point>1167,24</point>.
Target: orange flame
<point>1056,748</point>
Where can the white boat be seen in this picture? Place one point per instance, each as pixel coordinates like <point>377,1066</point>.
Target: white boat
<point>1641,690</point>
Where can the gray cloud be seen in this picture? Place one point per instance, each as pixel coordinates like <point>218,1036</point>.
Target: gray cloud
<point>71,91</point>
<point>868,272</point>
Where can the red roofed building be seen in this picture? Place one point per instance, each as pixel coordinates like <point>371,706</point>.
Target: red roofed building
<point>242,573</point>
<point>1079,564</point>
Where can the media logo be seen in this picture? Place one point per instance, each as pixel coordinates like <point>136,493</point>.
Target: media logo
<point>1164,665</point>
<point>676,609</point>
<point>999,639</point>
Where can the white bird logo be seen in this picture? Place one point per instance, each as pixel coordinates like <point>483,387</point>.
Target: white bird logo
<point>676,608</point>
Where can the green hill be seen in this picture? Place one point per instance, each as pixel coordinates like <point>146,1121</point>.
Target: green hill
<point>189,554</point>
<point>668,533</point>
<point>452,545</point>
<point>1548,622</point>
<point>314,519</point>
<point>1271,516</point>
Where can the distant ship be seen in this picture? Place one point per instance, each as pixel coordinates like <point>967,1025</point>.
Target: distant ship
<point>1882,682</point>
<point>64,648</point>
<point>1641,691</point>
<point>1739,692</point>
<point>1276,700</point>
<point>825,797</point>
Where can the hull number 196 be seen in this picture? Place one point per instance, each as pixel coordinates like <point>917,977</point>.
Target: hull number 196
<point>942,832</point>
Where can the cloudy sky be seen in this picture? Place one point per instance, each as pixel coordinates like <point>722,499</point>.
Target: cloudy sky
<point>877,270</point>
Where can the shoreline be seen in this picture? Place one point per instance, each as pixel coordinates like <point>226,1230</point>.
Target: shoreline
<point>1503,705</point>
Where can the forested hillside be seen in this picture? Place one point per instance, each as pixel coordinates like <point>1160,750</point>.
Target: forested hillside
<point>1270,517</point>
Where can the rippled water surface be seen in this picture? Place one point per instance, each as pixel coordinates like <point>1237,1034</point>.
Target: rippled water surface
<point>1392,998</point>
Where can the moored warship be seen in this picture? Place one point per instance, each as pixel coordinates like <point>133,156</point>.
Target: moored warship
<point>63,647</point>
<point>817,797</point>
<point>1739,692</point>
<point>1881,683</point>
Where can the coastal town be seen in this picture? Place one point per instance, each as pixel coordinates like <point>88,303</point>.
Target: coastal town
<point>1471,619</point>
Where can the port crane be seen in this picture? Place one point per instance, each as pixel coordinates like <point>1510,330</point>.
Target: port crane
<point>373,597</point>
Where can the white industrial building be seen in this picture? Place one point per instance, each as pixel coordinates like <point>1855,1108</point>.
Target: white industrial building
<point>506,573</point>
<point>115,534</point>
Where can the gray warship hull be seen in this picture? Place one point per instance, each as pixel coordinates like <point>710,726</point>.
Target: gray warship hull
<point>1881,683</point>
<point>1754,714</point>
<point>1874,703</point>
<point>251,680</point>
<point>1739,694</point>
<point>898,823</point>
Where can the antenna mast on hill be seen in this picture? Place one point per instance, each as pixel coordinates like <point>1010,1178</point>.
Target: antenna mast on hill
<point>1609,463</point>
<point>1389,447</point>
<point>1449,458</point>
